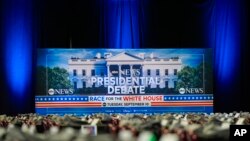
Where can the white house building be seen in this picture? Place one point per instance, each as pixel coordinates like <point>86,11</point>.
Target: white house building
<point>124,65</point>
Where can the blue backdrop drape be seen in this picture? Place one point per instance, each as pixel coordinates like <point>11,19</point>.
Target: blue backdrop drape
<point>17,55</point>
<point>225,31</point>
<point>123,22</point>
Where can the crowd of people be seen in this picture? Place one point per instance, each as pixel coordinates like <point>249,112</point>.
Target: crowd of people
<point>121,127</point>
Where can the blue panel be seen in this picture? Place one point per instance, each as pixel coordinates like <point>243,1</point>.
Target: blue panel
<point>190,97</point>
<point>61,98</point>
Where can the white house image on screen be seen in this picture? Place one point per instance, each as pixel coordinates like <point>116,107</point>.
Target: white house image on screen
<point>107,65</point>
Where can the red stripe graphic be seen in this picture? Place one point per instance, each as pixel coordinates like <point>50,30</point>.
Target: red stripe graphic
<point>67,104</point>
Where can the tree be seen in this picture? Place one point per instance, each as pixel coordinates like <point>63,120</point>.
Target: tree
<point>190,77</point>
<point>57,79</point>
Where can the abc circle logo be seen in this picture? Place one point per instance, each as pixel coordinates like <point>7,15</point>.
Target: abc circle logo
<point>51,91</point>
<point>181,90</point>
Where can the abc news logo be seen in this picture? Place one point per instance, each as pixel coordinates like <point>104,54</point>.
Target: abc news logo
<point>239,133</point>
<point>60,91</point>
<point>191,90</point>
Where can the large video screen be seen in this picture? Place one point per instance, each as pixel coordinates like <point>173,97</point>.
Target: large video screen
<point>85,81</point>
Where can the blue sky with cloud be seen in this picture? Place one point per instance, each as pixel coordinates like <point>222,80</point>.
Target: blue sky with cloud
<point>60,57</point>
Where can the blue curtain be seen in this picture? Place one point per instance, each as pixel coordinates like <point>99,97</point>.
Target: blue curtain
<point>226,23</point>
<point>18,43</point>
<point>123,23</point>
<point>18,49</point>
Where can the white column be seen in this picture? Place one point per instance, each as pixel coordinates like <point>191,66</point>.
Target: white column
<point>108,70</point>
<point>130,70</point>
<point>141,75</point>
<point>142,71</point>
<point>119,68</point>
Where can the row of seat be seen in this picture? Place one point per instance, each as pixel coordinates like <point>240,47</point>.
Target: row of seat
<point>121,127</point>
